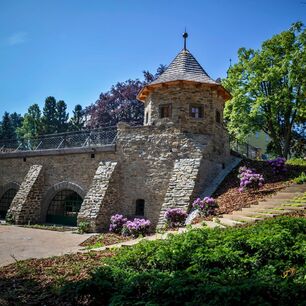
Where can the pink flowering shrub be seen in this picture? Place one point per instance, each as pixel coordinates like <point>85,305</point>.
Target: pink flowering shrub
<point>121,225</point>
<point>249,179</point>
<point>116,223</point>
<point>175,217</point>
<point>278,165</point>
<point>136,227</point>
<point>206,206</point>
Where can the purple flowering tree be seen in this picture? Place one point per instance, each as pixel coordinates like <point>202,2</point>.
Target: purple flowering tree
<point>175,217</point>
<point>119,104</point>
<point>249,179</point>
<point>206,207</point>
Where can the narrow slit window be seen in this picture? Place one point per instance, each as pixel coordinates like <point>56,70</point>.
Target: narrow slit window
<point>218,117</point>
<point>196,111</point>
<point>140,204</point>
<point>165,111</point>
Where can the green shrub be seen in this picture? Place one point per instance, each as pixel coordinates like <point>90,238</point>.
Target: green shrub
<point>301,179</point>
<point>83,227</point>
<point>9,218</point>
<point>263,264</point>
<point>297,162</point>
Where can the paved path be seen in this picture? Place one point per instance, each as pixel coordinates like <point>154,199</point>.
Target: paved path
<point>23,243</point>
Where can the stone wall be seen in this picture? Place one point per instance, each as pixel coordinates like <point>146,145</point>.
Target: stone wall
<point>149,158</point>
<point>62,171</point>
<point>25,206</point>
<point>151,163</point>
<point>180,98</point>
<point>102,199</point>
<point>181,186</point>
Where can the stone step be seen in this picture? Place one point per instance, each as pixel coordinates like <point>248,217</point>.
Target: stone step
<point>281,206</point>
<point>286,195</point>
<point>289,192</point>
<point>297,187</point>
<point>265,209</point>
<point>229,222</point>
<point>241,218</point>
<point>251,213</point>
<point>212,224</point>
<point>289,204</point>
<point>273,203</point>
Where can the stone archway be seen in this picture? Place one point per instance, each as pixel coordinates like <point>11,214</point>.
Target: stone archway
<point>57,195</point>
<point>7,194</point>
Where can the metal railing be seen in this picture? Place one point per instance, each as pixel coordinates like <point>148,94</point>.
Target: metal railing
<point>245,149</point>
<point>79,139</point>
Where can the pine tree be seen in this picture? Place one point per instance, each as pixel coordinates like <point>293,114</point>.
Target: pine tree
<point>7,128</point>
<point>49,119</point>
<point>62,117</point>
<point>77,121</point>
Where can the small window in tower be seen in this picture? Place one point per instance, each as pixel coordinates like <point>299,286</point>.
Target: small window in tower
<point>140,203</point>
<point>165,111</point>
<point>218,117</point>
<point>147,118</point>
<point>196,111</point>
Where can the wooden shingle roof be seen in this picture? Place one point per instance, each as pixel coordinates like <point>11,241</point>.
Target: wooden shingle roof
<point>184,67</point>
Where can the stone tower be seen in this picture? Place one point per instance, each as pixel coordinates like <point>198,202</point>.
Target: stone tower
<point>186,96</point>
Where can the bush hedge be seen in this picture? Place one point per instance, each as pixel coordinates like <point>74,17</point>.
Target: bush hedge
<point>262,264</point>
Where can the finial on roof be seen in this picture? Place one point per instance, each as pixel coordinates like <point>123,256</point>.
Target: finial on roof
<point>185,35</point>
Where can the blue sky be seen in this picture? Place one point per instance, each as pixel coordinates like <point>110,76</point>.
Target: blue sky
<point>75,49</point>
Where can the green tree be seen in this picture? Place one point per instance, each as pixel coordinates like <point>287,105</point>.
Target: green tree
<point>268,89</point>
<point>49,119</point>
<point>76,122</point>
<point>7,127</point>
<point>61,116</point>
<point>32,123</point>
<point>16,120</point>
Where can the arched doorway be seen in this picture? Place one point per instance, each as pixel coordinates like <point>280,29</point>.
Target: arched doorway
<point>64,208</point>
<point>6,201</point>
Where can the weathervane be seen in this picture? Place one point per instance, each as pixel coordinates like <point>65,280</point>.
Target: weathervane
<point>185,35</point>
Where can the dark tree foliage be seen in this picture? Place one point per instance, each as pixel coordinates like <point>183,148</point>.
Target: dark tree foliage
<point>17,120</point>
<point>76,122</point>
<point>120,103</point>
<point>61,116</point>
<point>49,119</point>
<point>7,127</point>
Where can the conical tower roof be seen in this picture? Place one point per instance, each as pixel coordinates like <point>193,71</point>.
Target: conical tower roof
<point>184,68</point>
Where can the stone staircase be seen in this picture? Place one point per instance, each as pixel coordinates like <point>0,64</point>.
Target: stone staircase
<point>290,199</point>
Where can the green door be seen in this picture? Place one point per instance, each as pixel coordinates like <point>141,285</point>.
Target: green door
<point>64,208</point>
